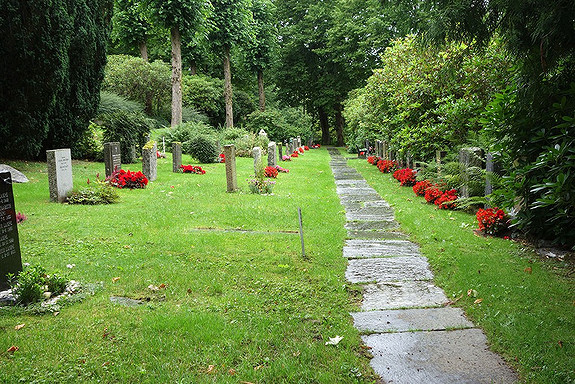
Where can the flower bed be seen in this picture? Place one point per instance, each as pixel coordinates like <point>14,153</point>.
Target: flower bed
<point>306,148</point>
<point>262,187</point>
<point>421,187</point>
<point>295,154</point>
<point>406,177</point>
<point>192,169</point>
<point>432,193</point>
<point>492,220</point>
<point>128,179</point>
<point>282,170</point>
<point>286,158</point>
<point>386,166</point>
<point>271,172</point>
<point>447,200</point>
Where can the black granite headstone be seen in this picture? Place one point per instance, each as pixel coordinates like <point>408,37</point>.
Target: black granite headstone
<point>10,259</point>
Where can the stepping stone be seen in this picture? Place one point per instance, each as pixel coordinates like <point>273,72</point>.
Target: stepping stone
<point>363,214</point>
<point>376,234</point>
<point>405,320</point>
<point>348,176</point>
<point>402,294</point>
<point>355,191</point>
<point>401,268</point>
<point>377,204</point>
<point>355,249</point>
<point>437,357</point>
<point>371,225</point>
<point>352,183</point>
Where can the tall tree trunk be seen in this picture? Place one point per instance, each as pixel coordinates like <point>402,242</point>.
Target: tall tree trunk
<point>261,90</point>
<point>339,124</point>
<point>176,77</point>
<point>144,50</point>
<point>228,92</point>
<point>324,125</point>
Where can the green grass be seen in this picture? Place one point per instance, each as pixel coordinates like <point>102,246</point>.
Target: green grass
<point>244,301</point>
<point>528,317</point>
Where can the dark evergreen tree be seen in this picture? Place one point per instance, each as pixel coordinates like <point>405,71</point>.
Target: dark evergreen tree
<point>53,57</point>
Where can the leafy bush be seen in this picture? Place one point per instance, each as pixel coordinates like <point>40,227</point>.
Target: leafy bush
<point>129,129</point>
<point>30,284</point>
<point>186,131</point>
<point>230,135</point>
<point>429,102</point>
<point>98,192</point>
<point>203,148</point>
<point>89,146</point>
<point>138,80</point>
<point>206,95</point>
<point>111,102</point>
<point>245,144</point>
<point>280,124</point>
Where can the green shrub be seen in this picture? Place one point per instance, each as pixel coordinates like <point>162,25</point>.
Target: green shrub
<point>230,135</point>
<point>206,95</point>
<point>96,193</point>
<point>30,284</point>
<point>186,131</point>
<point>111,102</point>
<point>129,129</point>
<point>89,147</point>
<point>147,83</point>
<point>280,124</point>
<point>245,144</point>
<point>203,148</point>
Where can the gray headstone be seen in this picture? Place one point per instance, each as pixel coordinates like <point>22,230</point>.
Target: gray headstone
<point>257,153</point>
<point>231,178</point>
<point>112,158</point>
<point>385,150</point>
<point>291,146</point>
<point>10,259</point>
<point>272,160</point>
<point>17,176</point>
<point>280,151</point>
<point>176,156</point>
<point>366,147</point>
<point>150,162</point>
<point>299,141</point>
<point>469,157</point>
<point>59,174</point>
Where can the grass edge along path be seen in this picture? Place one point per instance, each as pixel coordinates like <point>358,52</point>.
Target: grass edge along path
<point>525,306</point>
<point>236,306</point>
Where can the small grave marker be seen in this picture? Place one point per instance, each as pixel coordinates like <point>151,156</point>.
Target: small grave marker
<point>10,258</point>
<point>150,161</point>
<point>59,174</point>
<point>231,177</point>
<point>112,158</point>
<point>257,153</point>
<point>176,156</point>
<point>272,161</point>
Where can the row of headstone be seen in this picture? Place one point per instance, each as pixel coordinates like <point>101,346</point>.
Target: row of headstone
<point>292,145</point>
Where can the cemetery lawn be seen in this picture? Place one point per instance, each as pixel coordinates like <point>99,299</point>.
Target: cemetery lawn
<point>525,305</point>
<point>239,304</point>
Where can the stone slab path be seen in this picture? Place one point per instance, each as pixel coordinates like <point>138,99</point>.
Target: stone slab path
<point>412,336</point>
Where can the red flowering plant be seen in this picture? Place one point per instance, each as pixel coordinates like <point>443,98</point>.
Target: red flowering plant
<point>271,172</point>
<point>316,146</point>
<point>301,150</point>
<point>295,154</point>
<point>386,166</point>
<point>306,148</point>
<point>192,169</point>
<point>492,220</point>
<point>128,179</point>
<point>447,200</point>
<point>421,186</point>
<point>406,177</point>
<point>432,193</point>
<point>20,217</point>
<point>222,158</point>
<point>160,155</point>
<point>372,160</point>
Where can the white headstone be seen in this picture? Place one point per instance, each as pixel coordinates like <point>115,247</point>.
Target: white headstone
<point>59,173</point>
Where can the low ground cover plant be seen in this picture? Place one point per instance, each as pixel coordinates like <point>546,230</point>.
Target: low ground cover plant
<point>34,284</point>
<point>492,221</point>
<point>95,193</point>
<point>270,171</point>
<point>406,177</point>
<point>196,169</point>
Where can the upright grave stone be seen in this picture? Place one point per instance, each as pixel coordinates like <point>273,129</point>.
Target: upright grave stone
<point>10,259</point>
<point>291,146</point>
<point>112,157</point>
<point>272,161</point>
<point>367,147</point>
<point>470,162</point>
<point>231,178</point>
<point>257,153</point>
<point>385,150</point>
<point>378,148</point>
<point>59,174</point>
<point>299,142</point>
<point>176,156</point>
<point>280,151</point>
<point>263,134</point>
<point>150,160</point>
